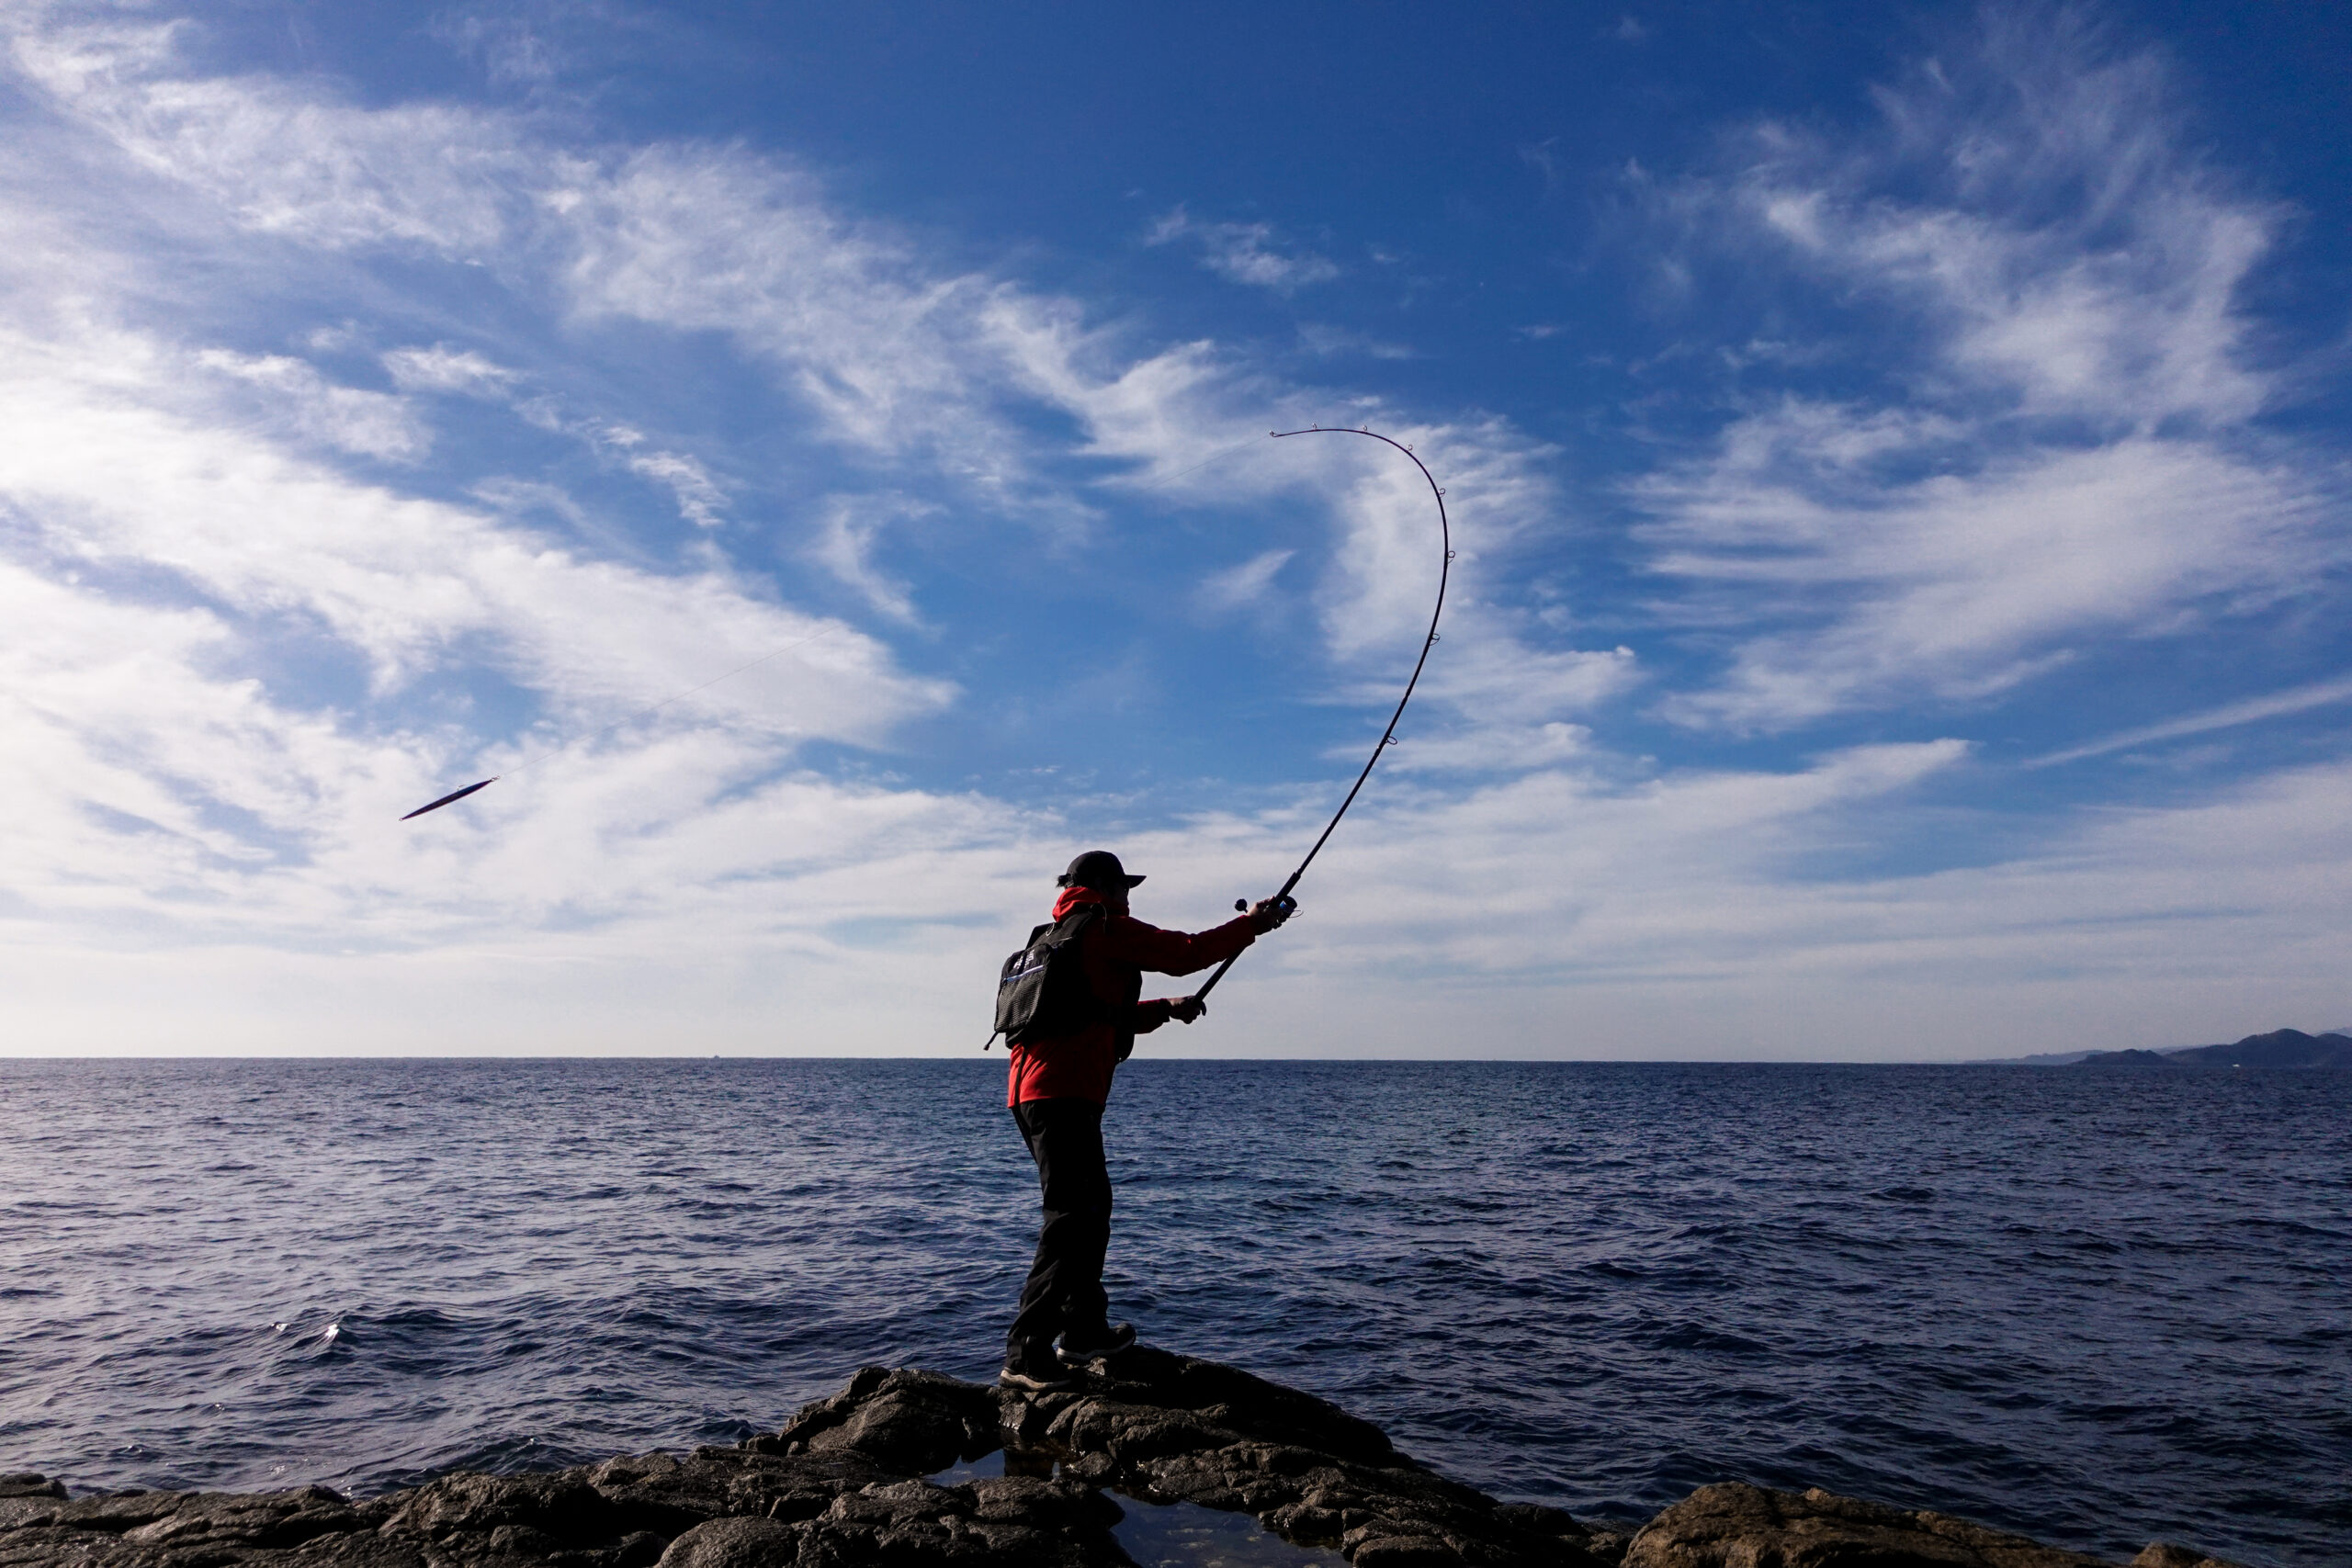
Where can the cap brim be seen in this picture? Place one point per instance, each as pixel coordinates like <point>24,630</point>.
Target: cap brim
<point>1135,881</point>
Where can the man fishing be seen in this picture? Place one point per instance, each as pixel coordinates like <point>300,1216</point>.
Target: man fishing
<point>1057,1088</point>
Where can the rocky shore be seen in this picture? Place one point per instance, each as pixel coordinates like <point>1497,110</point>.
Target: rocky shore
<point>866,1477</point>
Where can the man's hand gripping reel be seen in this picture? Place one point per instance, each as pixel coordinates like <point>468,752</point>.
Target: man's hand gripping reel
<point>1282,907</point>
<point>1273,911</point>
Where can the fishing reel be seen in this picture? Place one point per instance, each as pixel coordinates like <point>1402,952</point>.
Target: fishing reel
<point>1284,908</point>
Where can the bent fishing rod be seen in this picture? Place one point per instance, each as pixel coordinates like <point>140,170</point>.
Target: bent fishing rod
<point>1388,736</point>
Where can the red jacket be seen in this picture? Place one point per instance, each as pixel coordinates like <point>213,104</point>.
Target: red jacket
<point>1113,953</point>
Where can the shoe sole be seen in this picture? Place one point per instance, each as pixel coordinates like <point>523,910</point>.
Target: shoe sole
<point>1034,1385</point>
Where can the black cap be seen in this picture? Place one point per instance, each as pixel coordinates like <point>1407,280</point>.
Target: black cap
<point>1098,869</point>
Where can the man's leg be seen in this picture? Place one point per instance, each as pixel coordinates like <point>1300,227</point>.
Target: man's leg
<point>1065,1286</point>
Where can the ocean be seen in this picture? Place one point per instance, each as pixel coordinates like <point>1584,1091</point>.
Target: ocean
<point>2100,1308</point>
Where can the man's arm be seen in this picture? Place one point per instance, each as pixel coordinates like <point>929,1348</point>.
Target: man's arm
<point>1174,947</point>
<point>1148,1016</point>
<point>1126,940</point>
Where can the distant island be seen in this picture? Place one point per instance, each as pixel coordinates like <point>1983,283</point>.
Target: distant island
<point>2279,1048</point>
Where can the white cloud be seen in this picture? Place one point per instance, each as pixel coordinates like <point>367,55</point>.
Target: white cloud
<point>2069,455</point>
<point>1490,748</point>
<point>1329,341</point>
<point>1493,678</point>
<point>304,404</point>
<point>511,49</point>
<point>1960,584</point>
<point>852,527</point>
<point>1247,253</point>
<point>441,369</point>
<point>107,477</point>
<point>894,359</point>
<point>236,664</point>
<point>286,162</point>
<point>1238,586</point>
<point>2229,716</point>
<point>700,500</point>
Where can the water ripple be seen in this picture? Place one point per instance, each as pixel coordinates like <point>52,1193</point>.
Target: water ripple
<point>2098,1309</point>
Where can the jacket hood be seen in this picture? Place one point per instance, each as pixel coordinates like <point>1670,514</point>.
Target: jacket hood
<point>1074,897</point>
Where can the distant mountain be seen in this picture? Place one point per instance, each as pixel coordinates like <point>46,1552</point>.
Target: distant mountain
<point>2279,1048</point>
<point>2046,1059</point>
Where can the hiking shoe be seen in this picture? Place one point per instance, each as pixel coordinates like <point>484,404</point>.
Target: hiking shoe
<point>1034,1382</point>
<point>1077,1350</point>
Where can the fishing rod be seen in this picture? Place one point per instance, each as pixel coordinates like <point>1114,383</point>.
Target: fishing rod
<point>1388,736</point>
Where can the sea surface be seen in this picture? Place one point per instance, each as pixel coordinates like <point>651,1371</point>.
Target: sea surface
<point>2100,1308</point>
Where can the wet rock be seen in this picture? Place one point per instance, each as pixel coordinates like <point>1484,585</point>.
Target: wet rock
<point>561,1510</point>
<point>180,1529</point>
<point>2165,1554</point>
<point>667,1497</point>
<point>735,1543</point>
<point>1166,1427</point>
<point>1405,1551</point>
<point>1610,1545</point>
<point>912,1421</point>
<point>1736,1526</point>
<point>844,1484</point>
<point>1001,1522</point>
<point>276,1519</point>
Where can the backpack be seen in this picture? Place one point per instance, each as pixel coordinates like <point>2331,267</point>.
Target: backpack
<point>1041,992</point>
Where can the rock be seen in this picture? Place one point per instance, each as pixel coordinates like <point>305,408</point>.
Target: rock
<point>562,1510</point>
<point>180,1530</point>
<point>913,1421</point>
<point>1608,1545</point>
<point>1405,1551</point>
<point>667,1497</point>
<point>735,1543</point>
<point>1166,1427</point>
<point>845,1484</point>
<point>2164,1554</point>
<point>1736,1526</point>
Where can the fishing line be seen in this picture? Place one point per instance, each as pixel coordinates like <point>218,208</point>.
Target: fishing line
<point>619,723</point>
<point>1172,478</point>
<point>1388,736</point>
<point>456,796</point>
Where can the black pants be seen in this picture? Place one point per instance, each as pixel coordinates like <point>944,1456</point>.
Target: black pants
<point>1065,1288</point>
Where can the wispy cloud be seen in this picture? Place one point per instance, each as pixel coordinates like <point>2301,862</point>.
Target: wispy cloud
<point>1238,586</point>
<point>846,543</point>
<point>442,369</point>
<point>1329,342</point>
<point>269,597</point>
<point>2067,453</point>
<point>232,515</point>
<point>2229,716</point>
<point>1248,253</point>
<point>305,404</point>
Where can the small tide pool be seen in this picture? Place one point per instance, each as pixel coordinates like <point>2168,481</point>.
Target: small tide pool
<point>1175,1535</point>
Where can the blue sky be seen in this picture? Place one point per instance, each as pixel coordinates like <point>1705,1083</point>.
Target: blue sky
<point>1897,459</point>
